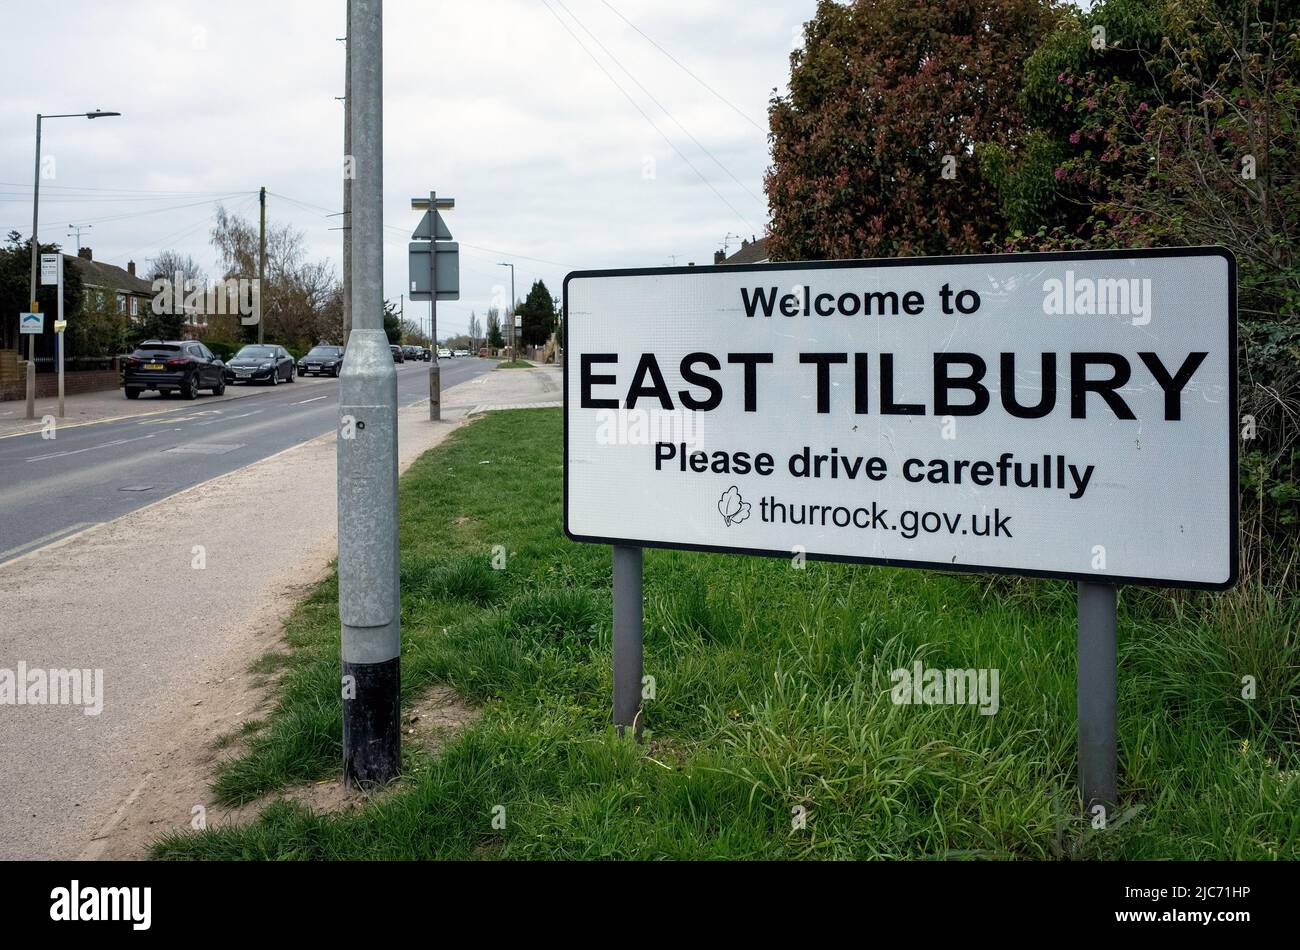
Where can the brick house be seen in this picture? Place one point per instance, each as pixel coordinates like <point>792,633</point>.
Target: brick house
<point>133,295</point>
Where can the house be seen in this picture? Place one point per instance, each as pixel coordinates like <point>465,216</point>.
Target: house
<point>133,293</point>
<point>753,251</point>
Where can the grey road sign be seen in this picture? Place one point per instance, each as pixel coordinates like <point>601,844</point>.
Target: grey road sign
<point>422,230</point>
<point>448,269</point>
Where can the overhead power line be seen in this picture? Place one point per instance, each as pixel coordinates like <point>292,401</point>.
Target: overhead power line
<point>727,102</point>
<point>651,122</point>
<point>662,107</point>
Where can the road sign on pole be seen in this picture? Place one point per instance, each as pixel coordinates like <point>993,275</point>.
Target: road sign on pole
<point>1023,414</point>
<point>50,268</point>
<point>434,266</point>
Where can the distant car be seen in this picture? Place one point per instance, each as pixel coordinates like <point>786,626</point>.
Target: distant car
<point>397,353</point>
<point>182,366</point>
<point>425,354</point>
<point>444,353</point>
<point>482,351</point>
<point>261,363</point>
<point>460,353</point>
<point>321,361</point>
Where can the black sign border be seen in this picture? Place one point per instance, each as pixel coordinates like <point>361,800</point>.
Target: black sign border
<point>958,259</point>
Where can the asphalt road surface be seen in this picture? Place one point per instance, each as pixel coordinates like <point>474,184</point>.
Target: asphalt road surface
<point>52,488</point>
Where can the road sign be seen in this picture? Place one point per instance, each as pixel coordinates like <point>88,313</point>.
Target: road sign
<point>448,269</point>
<point>50,268</point>
<point>422,230</point>
<point>519,321</point>
<point>32,323</point>
<point>1066,415</point>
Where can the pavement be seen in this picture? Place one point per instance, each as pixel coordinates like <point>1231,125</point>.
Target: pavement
<point>172,601</point>
<point>99,469</point>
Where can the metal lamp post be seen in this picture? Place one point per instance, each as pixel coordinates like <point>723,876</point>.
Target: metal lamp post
<point>36,249</point>
<point>511,331</point>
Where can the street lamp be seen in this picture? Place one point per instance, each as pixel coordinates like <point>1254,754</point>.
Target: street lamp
<point>511,329</point>
<point>36,249</point>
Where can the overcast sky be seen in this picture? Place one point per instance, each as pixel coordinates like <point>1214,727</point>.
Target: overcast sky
<point>492,102</point>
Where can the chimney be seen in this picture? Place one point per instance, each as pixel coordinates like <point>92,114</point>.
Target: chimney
<point>719,257</point>
<point>130,268</point>
<point>85,254</point>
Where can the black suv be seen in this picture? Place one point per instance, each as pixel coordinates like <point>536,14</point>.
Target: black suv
<point>182,366</point>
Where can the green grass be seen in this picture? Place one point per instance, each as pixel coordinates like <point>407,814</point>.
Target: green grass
<point>772,691</point>
<point>514,364</point>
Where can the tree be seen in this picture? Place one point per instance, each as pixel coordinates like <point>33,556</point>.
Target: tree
<point>413,333</point>
<point>873,147</point>
<point>392,323</point>
<point>300,302</point>
<point>538,312</point>
<point>15,290</point>
<point>494,337</point>
<point>168,323</point>
<point>475,329</point>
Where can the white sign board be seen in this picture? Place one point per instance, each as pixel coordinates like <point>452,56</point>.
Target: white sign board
<point>50,269</point>
<point>31,323</point>
<point>1063,415</point>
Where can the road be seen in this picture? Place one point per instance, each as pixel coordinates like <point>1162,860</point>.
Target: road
<point>53,488</point>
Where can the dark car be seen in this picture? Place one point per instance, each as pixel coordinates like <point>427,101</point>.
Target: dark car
<point>321,361</point>
<point>261,363</point>
<point>181,366</point>
<point>397,353</point>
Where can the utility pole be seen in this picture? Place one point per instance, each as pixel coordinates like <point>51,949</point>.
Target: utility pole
<point>369,594</point>
<point>261,266</point>
<point>349,168</point>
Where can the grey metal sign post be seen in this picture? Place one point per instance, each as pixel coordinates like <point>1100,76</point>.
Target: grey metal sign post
<point>1097,697</point>
<point>439,286</point>
<point>628,640</point>
<point>369,596</point>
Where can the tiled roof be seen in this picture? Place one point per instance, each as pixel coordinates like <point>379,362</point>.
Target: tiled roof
<point>751,252</point>
<point>107,276</point>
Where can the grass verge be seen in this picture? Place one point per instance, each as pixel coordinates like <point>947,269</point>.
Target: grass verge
<point>514,364</point>
<point>772,701</point>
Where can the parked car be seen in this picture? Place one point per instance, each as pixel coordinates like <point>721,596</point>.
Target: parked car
<point>482,351</point>
<point>397,353</point>
<point>425,354</point>
<point>444,353</point>
<point>321,361</point>
<point>460,353</point>
<point>413,352</point>
<point>261,363</point>
<point>181,366</point>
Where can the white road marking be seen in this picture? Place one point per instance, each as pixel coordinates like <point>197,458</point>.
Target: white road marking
<point>104,445</point>
<point>305,401</point>
<point>48,539</point>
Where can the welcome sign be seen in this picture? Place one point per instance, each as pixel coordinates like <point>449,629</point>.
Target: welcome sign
<point>1068,414</point>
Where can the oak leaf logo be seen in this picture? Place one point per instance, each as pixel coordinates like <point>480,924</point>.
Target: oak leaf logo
<point>733,508</point>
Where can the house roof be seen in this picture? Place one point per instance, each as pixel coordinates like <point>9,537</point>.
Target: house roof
<point>751,252</point>
<point>108,276</point>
